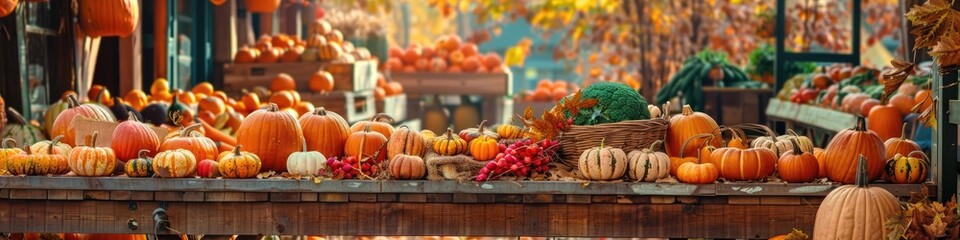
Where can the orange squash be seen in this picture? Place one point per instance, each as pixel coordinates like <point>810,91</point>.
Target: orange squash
<point>7,7</point>
<point>797,166</point>
<point>843,150</point>
<point>283,82</point>
<point>272,135</point>
<point>109,18</point>
<point>189,139</point>
<point>686,125</point>
<point>366,145</point>
<point>884,120</point>
<point>321,81</point>
<point>752,164</point>
<point>325,131</point>
<point>903,102</point>
<point>379,123</point>
<point>261,6</point>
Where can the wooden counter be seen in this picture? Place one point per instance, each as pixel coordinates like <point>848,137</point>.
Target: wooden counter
<point>412,208</point>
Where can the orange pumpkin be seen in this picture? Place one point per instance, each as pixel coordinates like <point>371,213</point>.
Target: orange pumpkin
<point>132,136</point>
<point>321,81</point>
<point>820,154</point>
<point>204,88</point>
<point>379,123</point>
<point>272,135</point>
<point>283,82</point>
<point>239,164</point>
<point>261,6</point>
<point>176,163</point>
<point>325,131</point>
<point>407,167</point>
<point>100,94</point>
<point>900,145</point>
<point>186,97</point>
<point>251,101</point>
<point>7,7</point>
<point>884,120</point>
<point>137,99</point>
<point>903,102</point>
<point>393,88</point>
<point>697,172</point>
<point>63,125</point>
<point>283,99</point>
<point>797,166</point>
<point>213,105</point>
<point>366,145</point>
<point>923,98</point>
<point>269,55</point>
<point>750,164</point>
<point>109,18</point>
<point>246,55</point>
<point>843,150</point>
<point>686,125</point>
<point>189,139</point>
<point>92,161</point>
<point>701,154</point>
<point>379,93</point>
<point>303,108</point>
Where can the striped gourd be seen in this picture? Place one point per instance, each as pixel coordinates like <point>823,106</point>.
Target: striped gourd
<point>9,149</point>
<point>55,165</point>
<point>911,168</point>
<point>449,144</point>
<point>648,165</point>
<point>238,164</point>
<point>92,161</point>
<point>603,163</point>
<point>330,51</point>
<point>175,164</point>
<point>20,130</point>
<point>39,163</point>
<point>141,166</point>
<point>405,141</point>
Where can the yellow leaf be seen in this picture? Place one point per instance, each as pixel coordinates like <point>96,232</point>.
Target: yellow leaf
<point>515,56</point>
<point>947,51</point>
<point>317,180</point>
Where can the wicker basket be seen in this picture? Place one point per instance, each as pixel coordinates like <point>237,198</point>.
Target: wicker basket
<point>626,135</point>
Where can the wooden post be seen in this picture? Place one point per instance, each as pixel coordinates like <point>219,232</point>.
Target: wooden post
<point>131,76</point>
<point>945,136</point>
<point>225,34</point>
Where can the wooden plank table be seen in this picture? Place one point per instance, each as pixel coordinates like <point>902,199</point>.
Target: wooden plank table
<point>412,208</point>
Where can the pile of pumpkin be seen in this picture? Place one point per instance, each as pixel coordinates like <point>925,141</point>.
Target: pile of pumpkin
<point>322,44</point>
<point>696,152</point>
<point>448,54</point>
<point>547,90</point>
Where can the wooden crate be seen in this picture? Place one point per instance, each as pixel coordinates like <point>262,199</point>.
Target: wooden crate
<point>426,83</point>
<point>732,106</point>
<point>395,106</point>
<point>353,77</point>
<point>237,77</point>
<point>353,106</point>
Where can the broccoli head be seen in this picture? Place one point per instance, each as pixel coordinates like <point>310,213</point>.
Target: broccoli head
<point>616,102</point>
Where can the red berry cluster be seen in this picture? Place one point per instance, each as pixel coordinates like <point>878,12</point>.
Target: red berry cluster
<point>521,158</point>
<point>346,168</point>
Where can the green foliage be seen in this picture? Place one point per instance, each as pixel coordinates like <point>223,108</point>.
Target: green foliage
<point>763,58</point>
<point>616,102</point>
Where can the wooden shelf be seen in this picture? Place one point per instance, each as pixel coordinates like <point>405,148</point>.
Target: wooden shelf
<point>810,115</point>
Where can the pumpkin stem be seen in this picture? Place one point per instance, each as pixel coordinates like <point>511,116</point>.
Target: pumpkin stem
<point>72,101</point>
<point>862,180</point>
<point>655,145</point>
<point>185,132</point>
<point>796,146</point>
<point>686,110</point>
<point>320,111</point>
<point>9,143</point>
<point>53,144</point>
<point>923,155</point>
<point>382,117</point>
<point>131,116</point>
<point>26,149</point>
<point>601,142</point>
<point>236,150</point>
<point>17,117</point>
<point>683,147</point>
<point>449,134</point>
<point>273,107</point>
<point>303,145</point>
<point>480,128</point>
<point>903,131</point>
<point>861,124</point>
<point>93,138</point>
<point>665,110</point>
<point>142,153</point>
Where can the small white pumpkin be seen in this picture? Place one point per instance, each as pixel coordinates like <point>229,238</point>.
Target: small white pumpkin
<point>306,163</point>
<point>654,111</point>
<point>648,165</point>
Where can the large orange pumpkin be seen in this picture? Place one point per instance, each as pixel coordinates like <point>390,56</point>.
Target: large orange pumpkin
<point>842,151</point>
<point>855,211</point>
<point>109,18</point>
<point>379,123</point>
<point>366,144</point>
<point>131,136</point>
<point>884,120</point>
<point>744,165</point>
<point>325,131</point>
<point>63,125</point>
<point>900,145</point>
<point>190,140</point>
<point>261,6</point>
<point>272,135</point>
<point>7,7</point>
<point>686,125</point>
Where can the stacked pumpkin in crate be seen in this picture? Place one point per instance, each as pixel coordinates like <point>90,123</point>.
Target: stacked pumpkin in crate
<point>321,44</point>
<point>448,54</point>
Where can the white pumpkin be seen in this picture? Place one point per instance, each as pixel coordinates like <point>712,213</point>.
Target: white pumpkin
<point>648,165</point>
<point>306,163</point>
<point>654,111</point>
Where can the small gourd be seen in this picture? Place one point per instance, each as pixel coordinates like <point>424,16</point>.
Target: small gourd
<point>208,169</point>
<point>911,168</point>
<point>648,165</point>
<point>603,163</point>
<point>306,163</point>
<point>176,163</point>
<point>484,148</point>
<point>92,161</point>
<point>405,141</point>
<point>449,144</point>
<point>142,166</point>
<point>239,164</point>
<point>9,149</point>
<point>407,167</point>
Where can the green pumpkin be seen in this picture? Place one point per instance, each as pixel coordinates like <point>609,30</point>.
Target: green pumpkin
<point>176,107</point>
<point>139,167</point>
<point>21,131</point>
<point>51,115</point>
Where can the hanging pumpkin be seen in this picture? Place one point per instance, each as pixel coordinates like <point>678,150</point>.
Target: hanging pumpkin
<point>175,163</point>
<point>9,148</point>
<point>842,151</point>
<point>686,125</point>
<point>484,148</point>
<point>306,163</point>
<point>142,166</point>
<point>449,144</point>
<point>379,123</point>
<point>798,166</point>
<point>407,167</point>
<point>471,133</point>
<point>366,144</point>
<point>208,169</point>
<point>900,145</point>
<point>272,135</point>
<point>21,130</point>
<point>648,165</point>
<point>910,168</point>
<point>855,211</point>
<point>325,131</point>
<point>697,172</point>
<point>7,7</point>
<point>239,164</point>
<point>751,164</point>
<point>261,6</point>
<point>131,137</point>
<point>92,161</point>
<point>63,125</point>
<point>189,139</point>
<point>109,18</point>
<point>405,141</point>
<point>603,163</point>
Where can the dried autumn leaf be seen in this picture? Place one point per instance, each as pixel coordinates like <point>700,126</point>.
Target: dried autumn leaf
<point>937,228</point>
<point>933,19</point>
<point>796,234</point>
<point>929,116</point>
<point>947,51</point>
<point>893,78</point>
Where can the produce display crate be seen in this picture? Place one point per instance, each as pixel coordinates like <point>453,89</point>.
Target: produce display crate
<point>395,106</point>
<point>237,77</point>
<point>353,77</point>
<point>819,123</point>
<point>427,83</point>
<point>519,106</point>
<point>353,106</point>
<point>732,106</point>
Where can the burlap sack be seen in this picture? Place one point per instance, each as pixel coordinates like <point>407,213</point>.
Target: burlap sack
<point>460,167</point>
